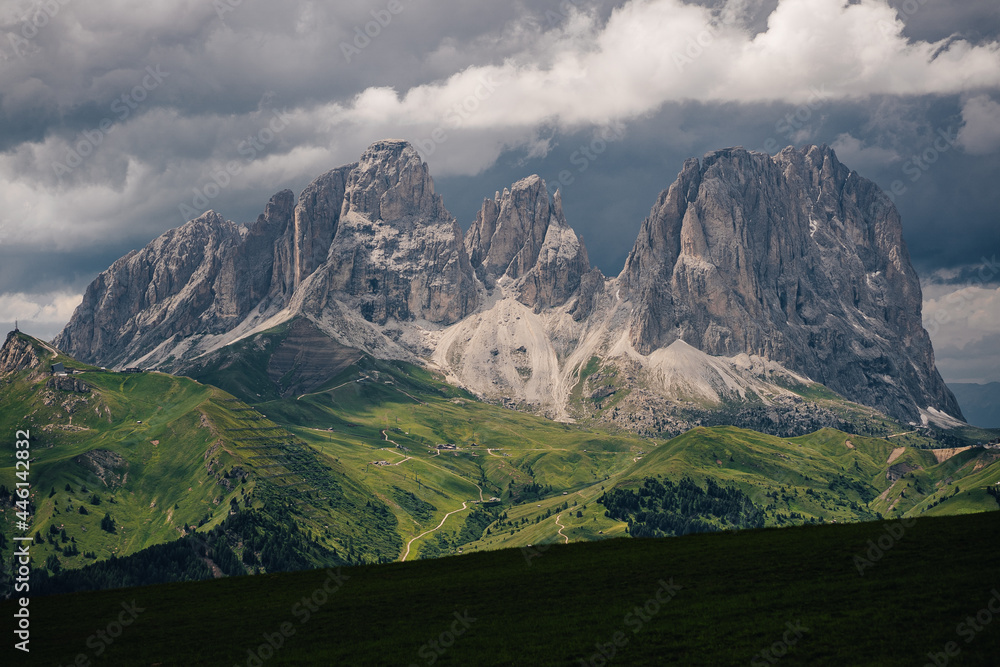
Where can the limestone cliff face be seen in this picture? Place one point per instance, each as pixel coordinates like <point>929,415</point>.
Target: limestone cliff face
<point>523,236</point>
<point>185,282</point>
<point>372,235</point>
<point>305,244</point>
<point>396,252</point>
<point>794,258</point>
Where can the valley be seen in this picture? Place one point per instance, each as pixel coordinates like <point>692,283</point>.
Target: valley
<point>385,461</point>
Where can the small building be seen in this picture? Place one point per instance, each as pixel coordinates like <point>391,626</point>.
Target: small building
<point>58,369</point>
<point>132,369</point>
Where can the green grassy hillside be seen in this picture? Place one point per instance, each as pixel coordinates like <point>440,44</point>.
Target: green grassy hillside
<point>384,461</point>
<point>813,595</point>
<point>385,422</point>
<point>121,462</point>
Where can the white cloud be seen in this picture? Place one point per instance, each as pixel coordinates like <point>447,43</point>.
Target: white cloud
<point>585,73</point>
<point>653,52</point>
<point>41,315</point>
<point>981,133</point>
<point>961,320</point>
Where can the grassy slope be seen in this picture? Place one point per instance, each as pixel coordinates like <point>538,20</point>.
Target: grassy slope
<point>156,490</point>
<point>177,440</point>
<point>810,478</point>
<point>739,590</point>
<point>360,416</point>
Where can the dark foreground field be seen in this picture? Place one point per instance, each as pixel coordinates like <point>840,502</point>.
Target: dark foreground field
<point>785,596</point>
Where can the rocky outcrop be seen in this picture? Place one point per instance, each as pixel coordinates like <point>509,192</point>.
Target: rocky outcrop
<point>202,278</point>
<point>372,236</point>
<point>304,246</point>
<point>750,261</point>
<point>794,258</point>
<point>16,355</point>
<point>397,253</point>
<point>523,236</point>
<point>591,287</point>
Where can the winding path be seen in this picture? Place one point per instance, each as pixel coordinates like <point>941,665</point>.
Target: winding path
<point>410,543</point>
<point>560,531</point>
<point>465,504</point>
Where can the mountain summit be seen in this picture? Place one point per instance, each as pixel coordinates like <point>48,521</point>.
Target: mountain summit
<point>794,258</point>
<point>753,273</point>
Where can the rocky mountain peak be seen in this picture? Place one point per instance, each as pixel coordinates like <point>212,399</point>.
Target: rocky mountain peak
<point>391,182</point>
<point>794,258</point>
<point>509,230</point>
<point>396,252</point>
<point>523,235</point>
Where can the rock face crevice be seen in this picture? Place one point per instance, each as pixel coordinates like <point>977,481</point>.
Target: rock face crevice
<point>792,259</point>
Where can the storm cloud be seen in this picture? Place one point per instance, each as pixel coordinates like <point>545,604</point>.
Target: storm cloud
<point>118,120</point>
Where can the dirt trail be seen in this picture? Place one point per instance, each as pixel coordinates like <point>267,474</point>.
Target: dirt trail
<point>325,391</point>
<point>560,531</point>
<point>410,543</point>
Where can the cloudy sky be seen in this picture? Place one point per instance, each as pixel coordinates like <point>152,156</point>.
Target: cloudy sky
<point>120,120</point>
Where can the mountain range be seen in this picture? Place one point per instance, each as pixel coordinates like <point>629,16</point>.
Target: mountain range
<point>752,276</point>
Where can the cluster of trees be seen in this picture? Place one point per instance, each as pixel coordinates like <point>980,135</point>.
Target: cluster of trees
<point>163,563</point>
<point>270,541</point>
<point>475,524</point>
<point>665,508</point>
<point>843,486</point>
<point>442,544</point>
<point>526,493</point>
<point>420,509</point>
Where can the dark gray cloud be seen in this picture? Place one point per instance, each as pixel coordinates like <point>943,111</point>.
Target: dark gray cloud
<point>657,82</point>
